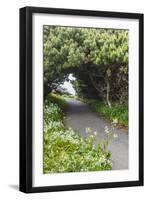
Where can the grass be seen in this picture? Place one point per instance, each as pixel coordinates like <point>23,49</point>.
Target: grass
<point>57,99</point>
<point>64,149</point>
<point>117,112</point>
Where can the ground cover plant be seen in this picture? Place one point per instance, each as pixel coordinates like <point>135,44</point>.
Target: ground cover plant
<point>116,112</point>
<point>65,150</point>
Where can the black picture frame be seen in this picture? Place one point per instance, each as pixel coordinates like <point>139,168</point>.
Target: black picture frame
<point>26,99</point>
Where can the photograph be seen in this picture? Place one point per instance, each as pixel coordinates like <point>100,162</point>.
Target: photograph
<point>85,79</point>
<point>81,99</point>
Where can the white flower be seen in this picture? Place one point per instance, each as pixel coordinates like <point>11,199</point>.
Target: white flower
<point>88,130</point>
<point>115,121</point>
<point>115,135</point>
<point>106,130</point>
<point>95,133</point>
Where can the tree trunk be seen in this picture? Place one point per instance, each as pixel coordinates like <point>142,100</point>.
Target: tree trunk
<point>93,82</point>
<point>108,93</point>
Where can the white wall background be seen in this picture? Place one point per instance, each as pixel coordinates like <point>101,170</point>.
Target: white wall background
<point>9,99</point>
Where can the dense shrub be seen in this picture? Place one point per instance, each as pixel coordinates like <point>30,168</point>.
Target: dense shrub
<point>97,58</point>
<point>65,150</point>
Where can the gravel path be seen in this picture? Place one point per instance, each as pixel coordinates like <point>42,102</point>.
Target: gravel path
<point>79,116</point>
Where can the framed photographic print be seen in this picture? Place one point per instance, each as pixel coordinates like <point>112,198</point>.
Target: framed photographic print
<point>81,99</point>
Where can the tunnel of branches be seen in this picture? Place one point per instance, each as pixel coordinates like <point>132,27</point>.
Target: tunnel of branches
<point>97,58</point>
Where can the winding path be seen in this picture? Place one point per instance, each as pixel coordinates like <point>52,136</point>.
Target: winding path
<point>79,116</point>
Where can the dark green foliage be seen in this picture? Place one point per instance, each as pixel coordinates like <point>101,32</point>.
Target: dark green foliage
<point>57,99</point>
<point>98,58</point>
